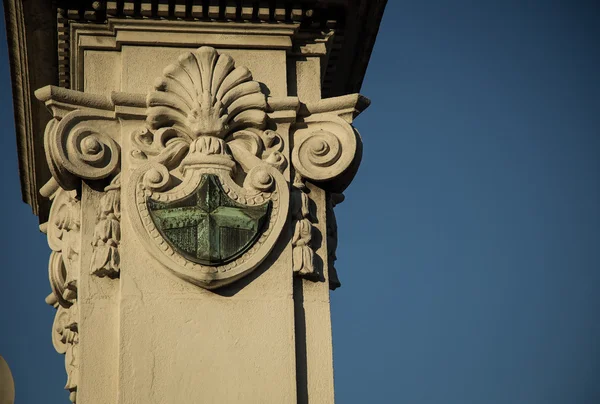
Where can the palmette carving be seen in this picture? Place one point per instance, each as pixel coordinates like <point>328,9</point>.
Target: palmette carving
<point>64,238</point>
<point>107,233</point>
<point>206,94</point>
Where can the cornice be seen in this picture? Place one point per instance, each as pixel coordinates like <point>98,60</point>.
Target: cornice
<point>15,30</point>
<point>32,42</point>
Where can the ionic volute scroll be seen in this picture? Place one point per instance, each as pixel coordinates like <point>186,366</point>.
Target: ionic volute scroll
<point>81,140</point>
<point>327,149</point>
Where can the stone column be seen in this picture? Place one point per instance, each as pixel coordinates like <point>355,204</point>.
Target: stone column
<point>195,167</point>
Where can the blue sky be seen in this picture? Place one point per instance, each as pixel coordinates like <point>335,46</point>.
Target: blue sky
<point>469,246</point>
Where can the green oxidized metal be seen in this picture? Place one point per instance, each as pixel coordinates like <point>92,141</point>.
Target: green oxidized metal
<point>207,226</point>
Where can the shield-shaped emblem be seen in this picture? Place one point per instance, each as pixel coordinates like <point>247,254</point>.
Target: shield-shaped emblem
<point>207,226</point>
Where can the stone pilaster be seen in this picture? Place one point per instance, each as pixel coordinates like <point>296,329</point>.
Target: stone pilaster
<point>195,168</point>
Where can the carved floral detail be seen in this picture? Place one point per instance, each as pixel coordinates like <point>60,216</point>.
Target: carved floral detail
<point>107,233</point>
<point>303,260</point>
<point>63,230</point>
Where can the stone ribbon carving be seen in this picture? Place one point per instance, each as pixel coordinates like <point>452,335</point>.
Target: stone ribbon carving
<point>302,253</point>
<point>107,233</point>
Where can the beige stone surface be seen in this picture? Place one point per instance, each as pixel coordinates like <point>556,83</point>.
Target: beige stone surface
<point>142,65</point>
<point>307,79</point>
<point>99,312</point>
<point>103,72</point>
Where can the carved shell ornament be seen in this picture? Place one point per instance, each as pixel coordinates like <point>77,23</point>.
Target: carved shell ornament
<point>206,95</point>
<point>209,198</point>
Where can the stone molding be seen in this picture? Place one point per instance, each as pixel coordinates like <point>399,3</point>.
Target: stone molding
<point>119,32</point>
<point>247,10</point>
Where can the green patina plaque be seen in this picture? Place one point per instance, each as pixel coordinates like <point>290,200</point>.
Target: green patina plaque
<point>207,226</point>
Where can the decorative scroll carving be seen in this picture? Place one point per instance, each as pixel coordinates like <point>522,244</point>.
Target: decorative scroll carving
<point>63,230</point>
<point>302,253</point>
<point>333,200</point>
<point>77,147</point>
<point>205,126</point>
<point>324,147</point>
<point>107,233</point>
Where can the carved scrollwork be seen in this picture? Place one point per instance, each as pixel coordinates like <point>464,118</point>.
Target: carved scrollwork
<point>64,238</point>
<point>107,233</point>
<point>324,147</point>
<point>76,148</point>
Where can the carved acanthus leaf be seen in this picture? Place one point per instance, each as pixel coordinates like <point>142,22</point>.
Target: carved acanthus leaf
<point>64,238</point>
